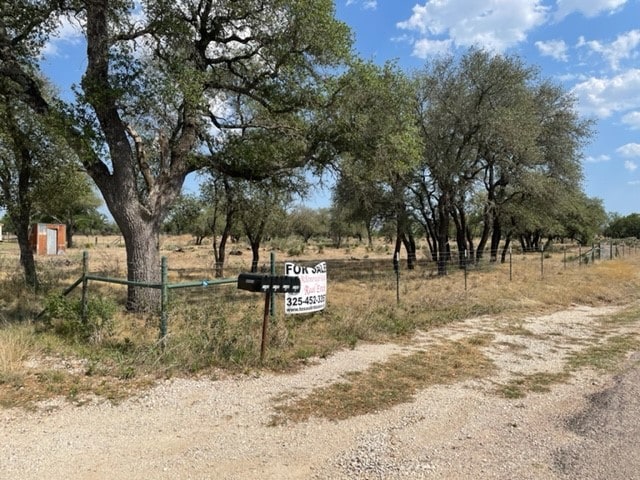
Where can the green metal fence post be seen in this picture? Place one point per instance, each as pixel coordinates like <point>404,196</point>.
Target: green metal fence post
<point>164,300</point>
<point>265,325</point>
<point>85,287</point>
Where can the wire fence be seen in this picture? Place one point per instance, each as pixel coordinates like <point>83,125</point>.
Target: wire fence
<point>554,259</point>
<point>189,277</point>
<point>186,267</point>
<point>466,274</point>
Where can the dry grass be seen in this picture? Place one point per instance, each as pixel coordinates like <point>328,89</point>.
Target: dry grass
<point>390,383</point>
<point>605,351</point>
<point>219,327</point>
<point>536,382</point>
<point>16,345</point>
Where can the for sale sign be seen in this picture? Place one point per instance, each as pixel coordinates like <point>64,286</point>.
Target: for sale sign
<point>312,296</point>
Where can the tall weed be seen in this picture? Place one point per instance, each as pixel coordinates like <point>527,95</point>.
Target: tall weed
<point>64,317</point>
<point>16,345</point>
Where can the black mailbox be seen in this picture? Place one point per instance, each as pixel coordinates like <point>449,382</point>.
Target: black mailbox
<point>252,281</point>
<point>255,282</point>
<point>286,284</point>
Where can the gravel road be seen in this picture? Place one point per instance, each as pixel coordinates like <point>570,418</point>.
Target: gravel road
<point>220,429</point>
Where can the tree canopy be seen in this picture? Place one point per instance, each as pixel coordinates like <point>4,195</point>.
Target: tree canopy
<point>479,148</point>
<point>166,87</point>
<point>624,227</point>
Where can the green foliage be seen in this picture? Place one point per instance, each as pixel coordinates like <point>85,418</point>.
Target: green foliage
<point>66,195</point>
<point>583,218</point>
<point>377,133</point>
<point>309,223</point>
<point>295,250</point>
<point>624,227</point>
<point>188,215</point>
<point>496,133</point>
<point>64,317</point>
<point>212,340</point>
<point>143,120</point>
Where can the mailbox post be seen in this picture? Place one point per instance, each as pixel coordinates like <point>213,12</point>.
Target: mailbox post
<point>269,285</point>
<point>396,269</point>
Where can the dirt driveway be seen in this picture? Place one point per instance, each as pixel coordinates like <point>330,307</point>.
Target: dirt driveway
<point>585,428</point>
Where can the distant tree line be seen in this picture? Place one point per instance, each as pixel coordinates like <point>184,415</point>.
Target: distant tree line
<point>623,227</point>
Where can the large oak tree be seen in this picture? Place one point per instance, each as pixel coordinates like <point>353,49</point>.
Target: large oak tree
<point>165,84</point>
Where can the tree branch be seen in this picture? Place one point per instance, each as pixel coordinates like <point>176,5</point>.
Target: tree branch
<point>141,157</point>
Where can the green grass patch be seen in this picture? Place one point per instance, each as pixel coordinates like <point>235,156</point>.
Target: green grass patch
<point>607,355</point>
<point>538,382</point>
<point>629,316</point>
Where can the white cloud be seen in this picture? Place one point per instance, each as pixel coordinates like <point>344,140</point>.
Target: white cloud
<point>553,48</point>
<point>634,182</point>
<point>630,150</point>
<point>598,159</point>
<point>624,47</point>
<point>69,31</point>
<point>632,119</point>
<point>404,38</point>
<point>492,24</point>
<point>588,8</point>
<point>572,77</point>
<point>604,96</point>
<point>424,48</point>
<point>631,166</point>
<point>366,4</point>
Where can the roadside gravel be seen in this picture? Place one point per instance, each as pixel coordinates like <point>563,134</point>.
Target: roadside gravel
<point>220,429</point>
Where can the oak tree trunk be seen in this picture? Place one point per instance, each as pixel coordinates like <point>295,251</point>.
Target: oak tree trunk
<point>255,255</point>
<point>143,266</point>
<point>27,260</point>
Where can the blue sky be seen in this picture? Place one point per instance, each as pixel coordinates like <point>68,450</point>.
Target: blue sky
<point>591,47</point>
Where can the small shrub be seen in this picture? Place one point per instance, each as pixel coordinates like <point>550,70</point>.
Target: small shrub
<point>295,250</point>
<point>64,317</point>
<point>214,339</point>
